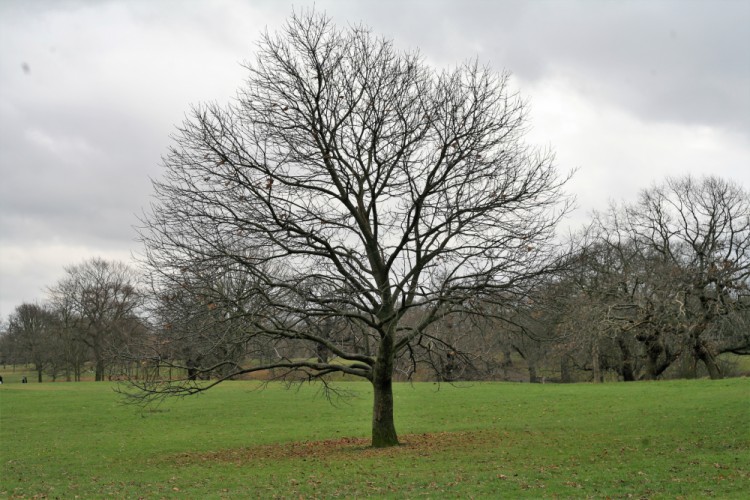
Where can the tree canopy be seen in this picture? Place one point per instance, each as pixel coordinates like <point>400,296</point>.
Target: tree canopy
<point>349,197</point>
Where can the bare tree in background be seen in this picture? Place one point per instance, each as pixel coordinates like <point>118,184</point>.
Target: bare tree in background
<point>352,187</point>
<point>601,299</point>
<point>203,325</point>
<point>32,333</point>
<point>683,270</point>
<point>99,302</point>
<point>74,352</point>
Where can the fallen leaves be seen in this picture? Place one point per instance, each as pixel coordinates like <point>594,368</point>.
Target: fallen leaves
<point>345,448</point>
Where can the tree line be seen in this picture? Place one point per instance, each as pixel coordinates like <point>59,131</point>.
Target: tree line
<point>656,287</point>
<point>88,316</point>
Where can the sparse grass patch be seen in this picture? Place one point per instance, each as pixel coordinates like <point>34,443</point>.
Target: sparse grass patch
<point>668,439</point>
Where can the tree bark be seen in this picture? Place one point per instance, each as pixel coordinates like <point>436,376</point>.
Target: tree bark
<point>596,368</point>
<point>507,362</point>
<point>655,366</point>
<point>702,353</point>
<point>383,427</point>
<point>627,369</point>
<point>99,375</point>
<point>533,377</point>
<point>565,370</point>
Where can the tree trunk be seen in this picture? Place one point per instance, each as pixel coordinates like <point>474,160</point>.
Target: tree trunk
<point>596,368</point>
<point>627,369</point>
<point>533,377</point>
<point>192,370</point>
<point>702,352</point>
<point>322,353</point>
<point>654,350</point>
<point>383,427</point>
<point>99,376</point>
<point>565,375</point>
<point>506,363</point>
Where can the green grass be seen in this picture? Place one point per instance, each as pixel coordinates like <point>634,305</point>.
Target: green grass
<point>676,439</point>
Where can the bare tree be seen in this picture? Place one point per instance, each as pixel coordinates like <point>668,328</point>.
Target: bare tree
<point>680,269</point>
<point>31,330</point>
<point>75,352</point>
<point>605,296</point>
<point>351,185</point>
<point>202,326</point>
<point>98,301</point>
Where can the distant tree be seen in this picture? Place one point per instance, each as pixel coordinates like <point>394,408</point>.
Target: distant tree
<point>198,325</point>
<point>672,272</point>
<point>99,302</point>
<point>7,346</point>
<point>31,330</point>
<point>599,299</point>
<point>73,350</point>
<point>361,195</point>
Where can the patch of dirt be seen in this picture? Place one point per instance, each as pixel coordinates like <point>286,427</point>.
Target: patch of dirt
<point>342,448</point>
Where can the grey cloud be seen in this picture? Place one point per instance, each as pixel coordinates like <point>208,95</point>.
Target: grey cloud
<point>91,89</point>
<point>666,60</point>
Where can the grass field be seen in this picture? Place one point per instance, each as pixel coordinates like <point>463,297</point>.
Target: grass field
<point>681,439</point>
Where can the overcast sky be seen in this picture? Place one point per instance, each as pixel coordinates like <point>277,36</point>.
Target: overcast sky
<point>628,93</point>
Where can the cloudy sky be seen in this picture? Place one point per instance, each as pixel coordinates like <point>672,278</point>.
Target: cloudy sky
<point>627,92</point>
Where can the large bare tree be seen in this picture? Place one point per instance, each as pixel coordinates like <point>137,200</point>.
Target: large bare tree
<point>361,194</point>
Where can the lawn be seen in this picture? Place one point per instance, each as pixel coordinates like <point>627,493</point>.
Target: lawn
<point>672,439</point>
